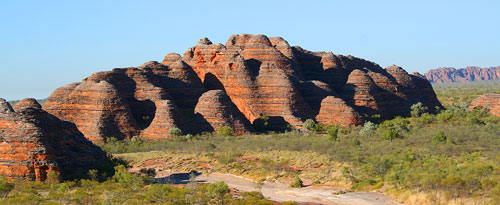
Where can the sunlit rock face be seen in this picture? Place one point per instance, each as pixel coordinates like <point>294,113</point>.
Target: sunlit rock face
<point>34,142</point>
<point>213,85</point>
<point>488,101</point>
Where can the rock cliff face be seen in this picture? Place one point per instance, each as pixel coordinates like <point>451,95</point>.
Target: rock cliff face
<point>214,85</point>
<point>488,101</point>
<point>34,142</point>
<point>472,73</point>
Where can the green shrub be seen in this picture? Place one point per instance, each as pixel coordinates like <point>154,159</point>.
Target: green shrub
<point>218,190</point>
<point>93,174</point>
<point>175,131</point>
<point>426,118</point>
<point>127,180</point>
<point>189,137</point>
<point>389,134</point>
<point>356,142</point>
<point>53,177</point>
<point>297,182</point>
<point>332,132</point>
<point>362,185</point>
<point>444,116</point>
<point>226,131</point>
<point>418,109</point>
<point>439,137</point>
<point>368,129</point>
<point>5,187</point>
<point>309,124</point>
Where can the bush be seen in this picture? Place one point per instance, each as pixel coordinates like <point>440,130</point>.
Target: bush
<point>418,109</point>
<point>426,118</point>
<point>126,179</point>
<point>218,190</point>
<point>53,177</point>
<point>356,142</point>
<point>444,116</point>
<point>225,131</point>
<point>439,137</point>
<point>175,131</point>
<point>391,129</point>
<point>389,134</point>
<point>297,182</point>
<point>332,132</point>
<point>5,187</point>
<point>309,124</point>
<point>368,129</point>
<point>189,137</point>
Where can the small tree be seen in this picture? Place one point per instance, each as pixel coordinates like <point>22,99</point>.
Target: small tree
<point>389,134</point>
<point>309,124</point>
<point>332,132</point>
<point>175,131</point>
<point>297,182</point>
<point>418,109</point>
<point>439,137</point>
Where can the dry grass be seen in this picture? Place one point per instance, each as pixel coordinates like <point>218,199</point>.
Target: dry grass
<point>278,164</point>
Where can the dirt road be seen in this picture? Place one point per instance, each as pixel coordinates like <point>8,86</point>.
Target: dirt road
<point>278,191</point>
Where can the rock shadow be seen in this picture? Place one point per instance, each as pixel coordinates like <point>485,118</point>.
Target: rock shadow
<point>211,82</point>
<point>254,67</point>
<point>180,178</point>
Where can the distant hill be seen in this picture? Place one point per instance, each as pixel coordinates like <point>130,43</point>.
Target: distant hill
<point>472,73</point>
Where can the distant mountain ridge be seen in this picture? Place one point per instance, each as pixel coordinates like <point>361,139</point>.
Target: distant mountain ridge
<point>467,74</point>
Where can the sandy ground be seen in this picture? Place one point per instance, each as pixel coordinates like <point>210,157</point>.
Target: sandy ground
<point>279,191</point>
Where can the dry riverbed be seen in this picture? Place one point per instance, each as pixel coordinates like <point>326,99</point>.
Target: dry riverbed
<point>278,191</point>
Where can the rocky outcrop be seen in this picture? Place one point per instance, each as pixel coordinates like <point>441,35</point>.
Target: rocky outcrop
<point>34,142</point>
<point>488,101</point>
<point>27,102</point>
<point>467,74</point>
<point>125,102</point>
<point>335,111</point>
<point>216,108</point>
<point>249,77</point>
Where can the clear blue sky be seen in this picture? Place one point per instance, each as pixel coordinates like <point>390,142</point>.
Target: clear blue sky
<point>48,44</point>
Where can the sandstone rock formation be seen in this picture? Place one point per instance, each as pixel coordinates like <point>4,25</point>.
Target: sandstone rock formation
<point>216,108</point>
<point>34,142</point>
<point>128,102</point>
<point>467,74</point>
<point>488,101</point>
<point>214,85</point>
